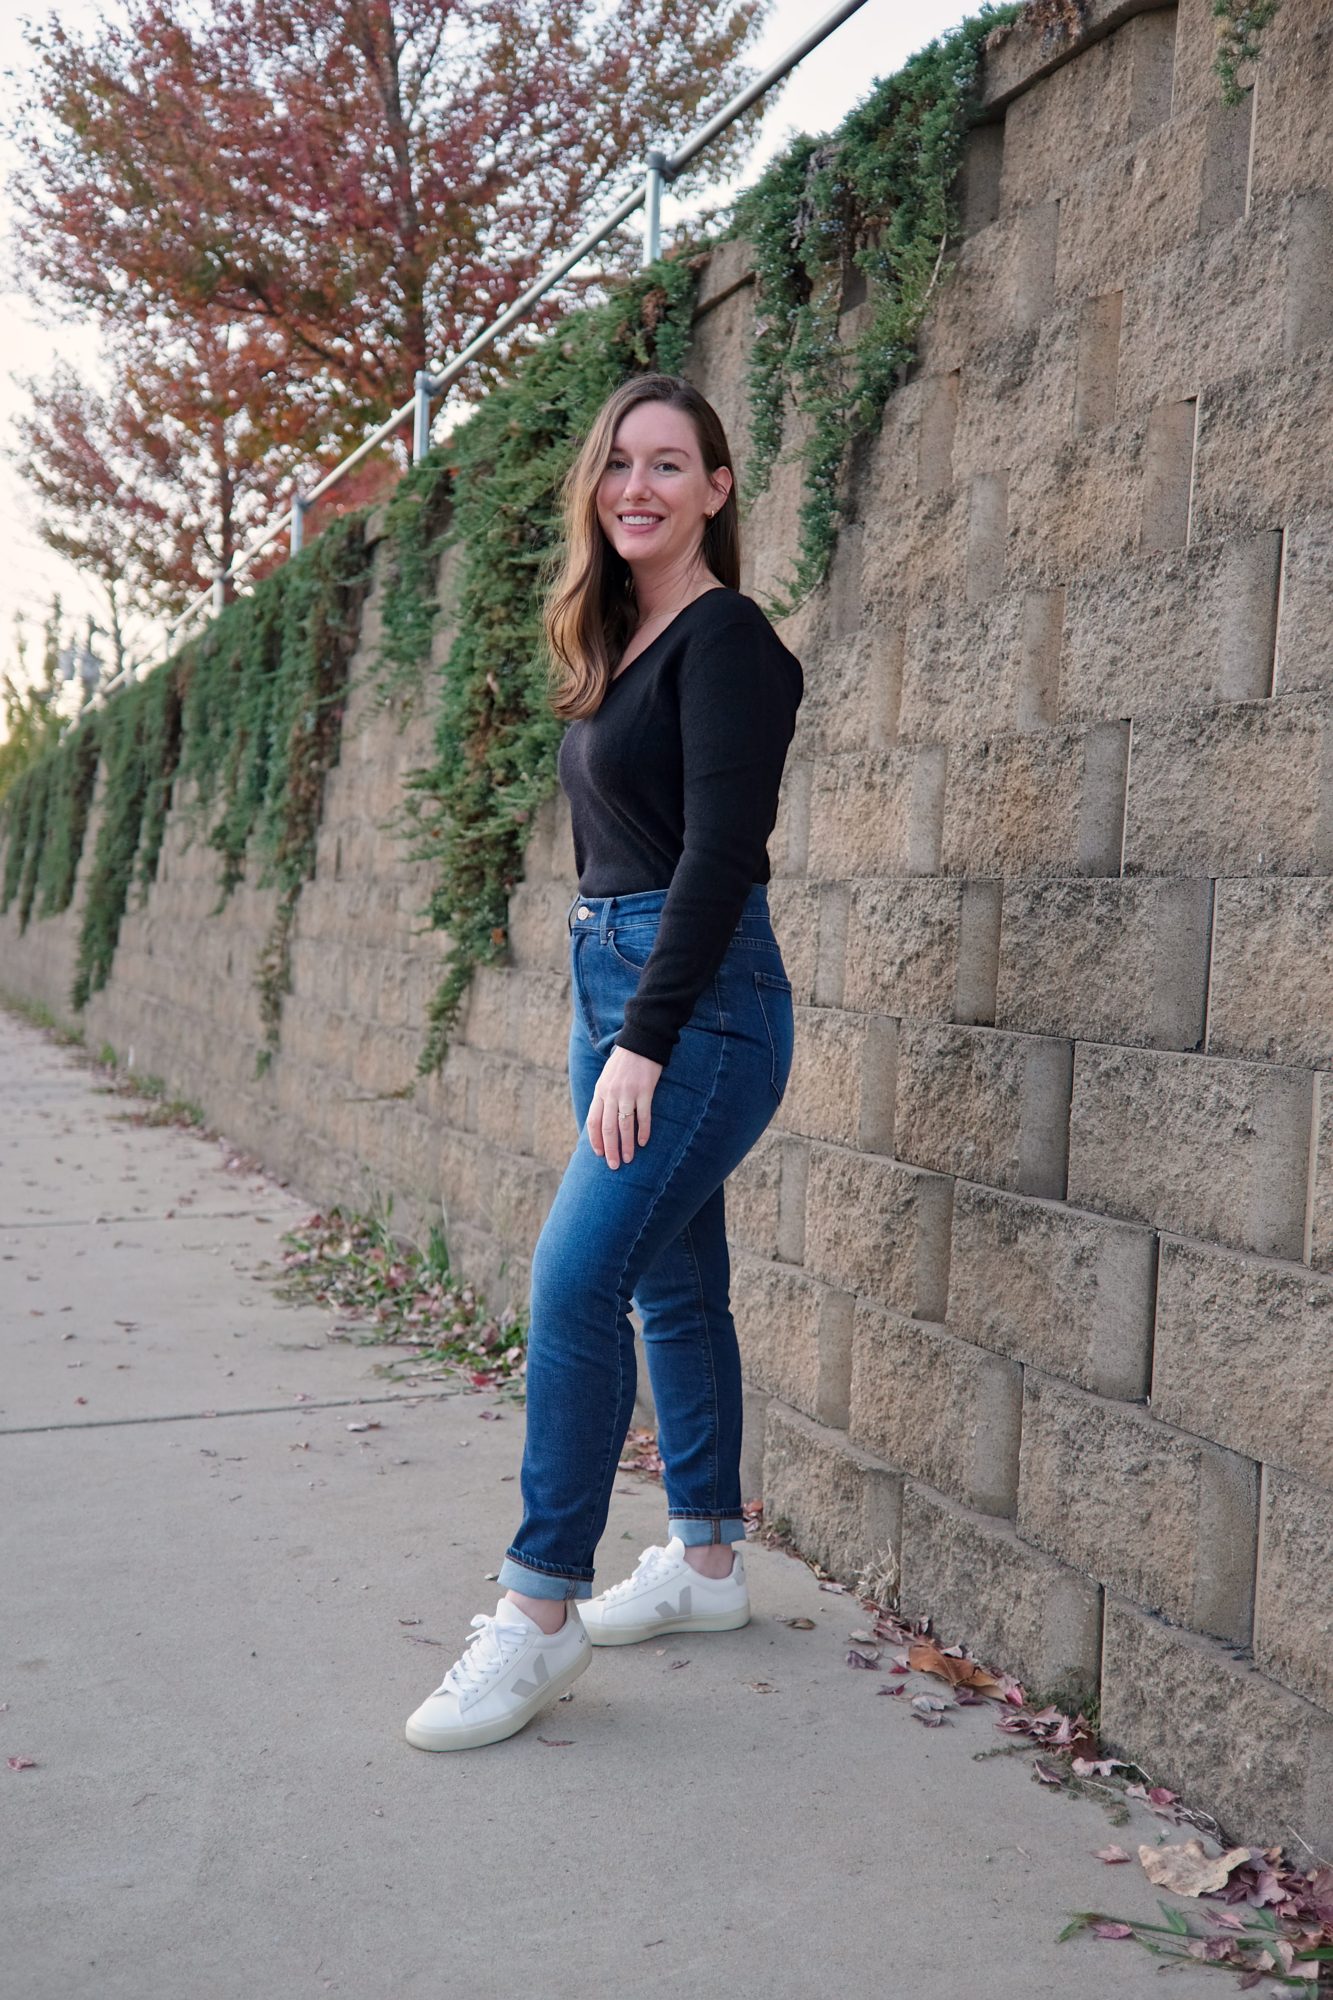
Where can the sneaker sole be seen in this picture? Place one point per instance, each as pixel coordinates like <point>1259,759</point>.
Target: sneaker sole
<point>709,1621</point>
<point>479,1733</point>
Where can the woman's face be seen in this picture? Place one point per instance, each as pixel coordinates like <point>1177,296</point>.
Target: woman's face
<point>654,495</point>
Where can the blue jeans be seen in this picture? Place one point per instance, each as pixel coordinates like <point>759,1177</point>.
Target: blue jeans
<point>651,1232</point>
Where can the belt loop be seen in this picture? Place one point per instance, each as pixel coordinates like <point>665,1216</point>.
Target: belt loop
<point>604,918</point>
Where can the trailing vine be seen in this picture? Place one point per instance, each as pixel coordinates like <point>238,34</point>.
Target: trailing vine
<point>469,811</point>
<point>251,714</point>
<point>1239,39</point>
<point>878,195</point>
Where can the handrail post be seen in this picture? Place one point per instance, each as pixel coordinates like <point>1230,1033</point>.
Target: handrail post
<point>219,592</point>
<point>421,387</point>
<point>652,203</point>
<point>296,538</point>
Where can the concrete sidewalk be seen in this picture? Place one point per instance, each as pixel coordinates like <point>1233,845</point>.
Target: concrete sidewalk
<point>221,1604</point>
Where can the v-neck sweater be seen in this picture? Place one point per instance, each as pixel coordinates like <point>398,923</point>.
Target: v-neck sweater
<point>673,784</point>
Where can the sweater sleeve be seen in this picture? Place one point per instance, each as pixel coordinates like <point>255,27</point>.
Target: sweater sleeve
<point>739,692</point>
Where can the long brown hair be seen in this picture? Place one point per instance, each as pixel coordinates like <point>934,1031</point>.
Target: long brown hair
<point>590,609</point>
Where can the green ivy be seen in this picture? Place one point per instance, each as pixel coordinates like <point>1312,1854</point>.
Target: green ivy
<point>879,195</point>
<point>1239,39</point>
<point>470,810</point>
<point>251,715</point>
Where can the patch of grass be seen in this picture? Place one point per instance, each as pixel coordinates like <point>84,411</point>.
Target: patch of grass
<point>393,1293</point>
<point>40,1015</point>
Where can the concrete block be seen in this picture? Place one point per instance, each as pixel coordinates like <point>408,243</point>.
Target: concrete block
<point>970,669</point>
<point>842,1079</point>
<point>1305,633</point>
<point>984,1105</point>
<point>1192,1142</point>
<point>944,1410</point>
<point>1153,1512</point>
<point>1229,1738</point>
<point>1187,772</point>
<point>1052,1287</point>
<point>877,1227</point>
<point>1106,960</point>
<point>1293,1613</point>
<point>1057,124</point>
<point>1176,628</point>
<point>505,1103</point>
<point>753,1197</point>
<point>1016,1609</point>
<point>538,930</point>
<point>876,813</point>
<point>1319,1208</point>
<point>1271,989</point>
<point>520,1194</point>
<point>540,1013</point>
<point>789,842</point>
<point>794,909</point>
<point>840,1504</point>
<point>1037,804</point>
<point>1241,1355</point>
<point>1184,322</point>
<point>1259,456</point>
<point>1293,145</point>
<point>1168,461</point>
<point>926,947</point>
<point>795,1337</point>
<point>1124,212</point>
<point>852,697</point>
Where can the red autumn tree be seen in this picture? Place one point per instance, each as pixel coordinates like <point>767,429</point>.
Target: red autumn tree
<point>339,192</point>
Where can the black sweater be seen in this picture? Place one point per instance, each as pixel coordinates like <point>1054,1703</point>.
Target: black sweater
<point>673,784</point>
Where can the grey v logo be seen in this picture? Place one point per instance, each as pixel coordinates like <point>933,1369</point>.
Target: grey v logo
<point>540,1675</point>
<point>681,1610</point>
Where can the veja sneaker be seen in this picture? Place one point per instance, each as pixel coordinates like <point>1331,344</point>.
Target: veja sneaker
<point>508,1672</point>
<point>666,1595</point>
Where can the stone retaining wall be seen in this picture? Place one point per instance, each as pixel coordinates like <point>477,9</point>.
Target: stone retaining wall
<point>1034,1270</point>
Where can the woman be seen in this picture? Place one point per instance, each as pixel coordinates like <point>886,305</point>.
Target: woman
<point>681,701</point>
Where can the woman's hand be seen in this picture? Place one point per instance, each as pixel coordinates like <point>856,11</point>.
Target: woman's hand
<point>621,1102</point>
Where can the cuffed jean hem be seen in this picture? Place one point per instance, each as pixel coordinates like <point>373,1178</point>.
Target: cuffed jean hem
<point>697,1531</point>
<point>539,1582</point>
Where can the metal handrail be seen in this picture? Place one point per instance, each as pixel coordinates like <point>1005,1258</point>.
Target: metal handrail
<point>661,169</point>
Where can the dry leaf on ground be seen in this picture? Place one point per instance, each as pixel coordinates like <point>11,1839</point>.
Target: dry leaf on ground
<point>925,1657</point>
<point>1187,1870</point>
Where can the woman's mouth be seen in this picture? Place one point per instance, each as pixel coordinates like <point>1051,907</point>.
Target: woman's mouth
<point>639,524</point>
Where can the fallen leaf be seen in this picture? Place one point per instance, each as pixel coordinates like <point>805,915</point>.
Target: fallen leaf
<point>839,1588</point>
<point>1049,1774</point>
<point>1187,1870</point>
<point>23,1763</point>
<point>1110,1854</point>
<point>762,1687</point>
<point>800,1624</point>
<point>928,1704</point>
<point>1105,1930</point>
<point>886,1689</point>
<point>494,1417</point>
<point>856,1658</point>
<point>678,1663</point>
<point>924,1657</point>
<point>556,1742</point>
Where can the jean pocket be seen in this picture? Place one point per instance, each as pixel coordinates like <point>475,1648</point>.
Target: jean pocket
<point>774,992</point>
<point>632,944</point>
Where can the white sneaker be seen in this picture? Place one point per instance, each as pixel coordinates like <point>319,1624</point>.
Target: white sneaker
<point>507,1673</point>
<point>665,1594</point>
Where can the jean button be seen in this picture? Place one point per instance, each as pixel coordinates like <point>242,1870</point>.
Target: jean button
<point>583,911</point>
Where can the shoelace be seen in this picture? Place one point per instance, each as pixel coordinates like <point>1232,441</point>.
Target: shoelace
<point>487,1652</point>
<point>651,1563</point>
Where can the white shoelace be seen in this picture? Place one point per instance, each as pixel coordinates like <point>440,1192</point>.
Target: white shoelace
<point>653,1562</point>
<point>487,1653</point>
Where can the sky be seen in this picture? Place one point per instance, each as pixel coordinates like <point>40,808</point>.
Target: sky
<point>818,94</point>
